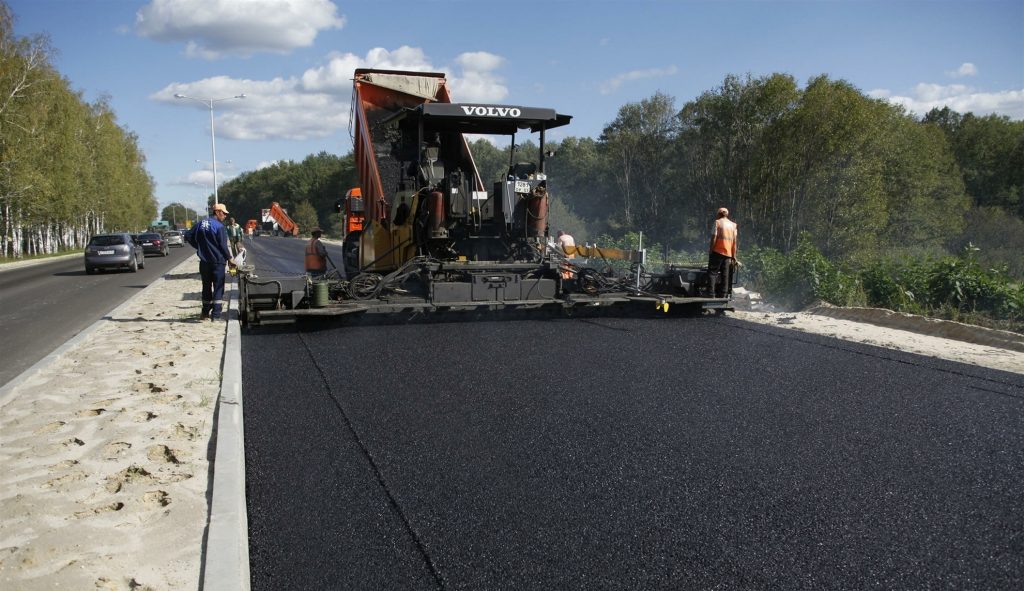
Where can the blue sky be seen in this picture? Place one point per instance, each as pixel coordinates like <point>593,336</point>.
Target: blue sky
<point>293,59</point>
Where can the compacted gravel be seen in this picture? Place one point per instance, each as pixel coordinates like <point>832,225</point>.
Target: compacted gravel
<point>625,454</point>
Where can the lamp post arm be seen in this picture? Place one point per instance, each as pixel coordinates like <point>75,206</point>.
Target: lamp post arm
<point>213,135</point>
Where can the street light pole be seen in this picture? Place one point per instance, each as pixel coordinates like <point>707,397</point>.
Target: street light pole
<point>213,140</point>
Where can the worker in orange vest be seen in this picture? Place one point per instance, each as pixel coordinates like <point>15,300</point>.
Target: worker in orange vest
<point>316,255</point>
<point>722,255</point>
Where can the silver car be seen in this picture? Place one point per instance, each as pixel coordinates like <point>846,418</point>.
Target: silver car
<point>173,238</point>
<point>113,251</point>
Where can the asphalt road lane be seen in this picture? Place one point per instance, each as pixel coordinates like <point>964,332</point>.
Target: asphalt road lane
<point>277,256</point>
<point>44,305</point>
<point>625,453</point>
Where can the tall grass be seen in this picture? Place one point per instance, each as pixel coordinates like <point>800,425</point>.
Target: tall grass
<point>949,287</point>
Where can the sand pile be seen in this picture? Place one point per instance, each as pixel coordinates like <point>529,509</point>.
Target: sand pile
<point>104,452</point>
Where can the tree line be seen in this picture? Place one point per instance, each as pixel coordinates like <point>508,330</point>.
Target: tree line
<point>67,169</point>
<point>860,176</point>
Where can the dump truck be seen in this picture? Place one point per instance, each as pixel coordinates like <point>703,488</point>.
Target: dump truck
<point>435,238</point>
<point>279,222</point>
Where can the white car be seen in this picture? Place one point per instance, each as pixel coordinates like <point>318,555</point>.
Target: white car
<point>173,238</point>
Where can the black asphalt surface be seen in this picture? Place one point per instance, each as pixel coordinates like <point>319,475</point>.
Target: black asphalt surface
<point>679,453</point>
<point>281,256</point>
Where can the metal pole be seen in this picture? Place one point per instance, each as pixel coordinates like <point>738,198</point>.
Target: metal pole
<point>213,150</point>
<point>640,247</point>
<point>213,137</point>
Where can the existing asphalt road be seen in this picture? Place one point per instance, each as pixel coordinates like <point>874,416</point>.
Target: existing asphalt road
<point>275,256</point>
<point>43,305</point>
<point>689,453</point>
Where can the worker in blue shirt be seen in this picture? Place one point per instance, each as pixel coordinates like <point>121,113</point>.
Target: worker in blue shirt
<point>210,239</point>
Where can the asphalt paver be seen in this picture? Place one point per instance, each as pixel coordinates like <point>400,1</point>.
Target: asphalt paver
<point>625,454</point>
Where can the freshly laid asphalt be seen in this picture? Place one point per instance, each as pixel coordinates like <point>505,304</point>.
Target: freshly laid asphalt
<point>625,454</point>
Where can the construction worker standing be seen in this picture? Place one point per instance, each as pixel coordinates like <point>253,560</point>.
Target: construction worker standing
<point>722,255</point>
<point>316,255</point>
<point>234,235</point>
<point>210,240</point>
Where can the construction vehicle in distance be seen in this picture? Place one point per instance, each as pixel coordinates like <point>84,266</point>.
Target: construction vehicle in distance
<point>281,224</point>
<point>435,238</point>
<point>353,210</point>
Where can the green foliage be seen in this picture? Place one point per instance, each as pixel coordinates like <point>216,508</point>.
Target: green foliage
<point>560,217</point>
<point>319,180</point>
<point>897,284</point>
<point>491,161</point>
<point>990,154</point>
<point>860,175</point>
<point>801,277</point>
<point>998,236</point>
<point>955,287</point>
<point>304,214</point>
<point>959,284</point>
<point>67,169</point>
<point>176,213</point>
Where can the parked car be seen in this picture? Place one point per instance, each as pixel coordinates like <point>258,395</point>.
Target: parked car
<point>153,243</point>
<point>113,251</point>
<point>174,238</point>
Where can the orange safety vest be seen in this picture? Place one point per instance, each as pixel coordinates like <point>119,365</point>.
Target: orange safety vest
<point>724,240</point>
<point>314,262</point>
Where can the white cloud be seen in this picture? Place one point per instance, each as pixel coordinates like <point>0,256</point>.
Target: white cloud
<point>203,179</point>
<point>216,28</point>
<point>478,82</point>
<point>965,69</point>
<point>279,108</point>
<point>610,86</point>
<point>958,97</point>
<point>316,103</point>
<point>479,61</point>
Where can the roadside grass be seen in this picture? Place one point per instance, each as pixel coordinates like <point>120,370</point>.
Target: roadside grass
<point>7,260</point>
<point>957,288</point>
